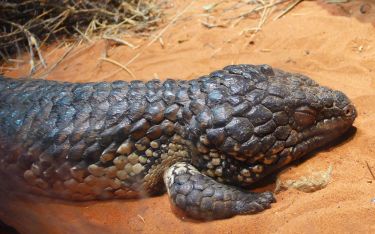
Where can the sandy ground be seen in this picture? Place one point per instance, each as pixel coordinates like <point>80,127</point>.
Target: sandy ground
<point>333,44</point>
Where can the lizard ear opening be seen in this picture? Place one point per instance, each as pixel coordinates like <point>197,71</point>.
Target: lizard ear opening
<point>305,116</point>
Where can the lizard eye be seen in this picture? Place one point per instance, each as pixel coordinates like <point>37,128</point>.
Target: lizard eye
<point>305,116</point>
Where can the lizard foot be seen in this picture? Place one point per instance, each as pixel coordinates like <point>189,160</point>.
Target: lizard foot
<point>201,197</point>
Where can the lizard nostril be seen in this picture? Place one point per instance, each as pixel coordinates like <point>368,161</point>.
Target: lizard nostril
<point>349,110</point>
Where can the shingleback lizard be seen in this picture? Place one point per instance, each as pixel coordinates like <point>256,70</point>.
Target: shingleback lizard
<point>204,140</point>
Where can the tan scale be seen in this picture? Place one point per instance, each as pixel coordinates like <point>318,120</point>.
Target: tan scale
<point>125,148</point>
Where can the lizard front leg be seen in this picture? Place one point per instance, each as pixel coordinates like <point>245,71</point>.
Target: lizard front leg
<point>201,197</point>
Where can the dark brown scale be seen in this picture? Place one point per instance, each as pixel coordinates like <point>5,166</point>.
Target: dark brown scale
<point>251,147</point>
<point>221,115</point>
<point>292,139</point>
<point>229,145</point>
<point>111,149</point>
<point>171,112</point>
<point>154,132</point>
<point>216,135</point>
<point>197,106</point>
<point>75,152</point>
<point>92,152</point>
<point>282,132</point>
<point>155,112</point>
<point>63,171</point>
<point>240,129</point>
<point>144,142</point>
<point>265,129</point>
<point>194,91</point>
<point>278,91</point>
<point>241,108</point>
<point>205,118</point>
<point>168,127</point>
<point>139,128</point>
<point>259,115</point>
<point>276,148</point>
<point>236,84</point>
<point>274,103</point>
<point>186,114</point>
<point>182,95</point>
<point>235,100</point>
<point>216,97</point>
<point>281,118</point>
<point>255,96</point>
<point>195,130</point>
<point>137,109</point>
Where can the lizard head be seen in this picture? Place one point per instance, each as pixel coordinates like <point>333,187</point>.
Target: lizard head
<point>323,116</point>
<point>280,117</point>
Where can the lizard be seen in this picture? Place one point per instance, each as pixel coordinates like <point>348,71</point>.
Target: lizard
<point>205,141</point>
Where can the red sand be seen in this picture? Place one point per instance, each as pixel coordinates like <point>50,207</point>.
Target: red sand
<point>333,44</point>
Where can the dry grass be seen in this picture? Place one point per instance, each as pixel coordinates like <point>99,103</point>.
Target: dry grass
<point>230,14</point>
<point>29,25</point>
